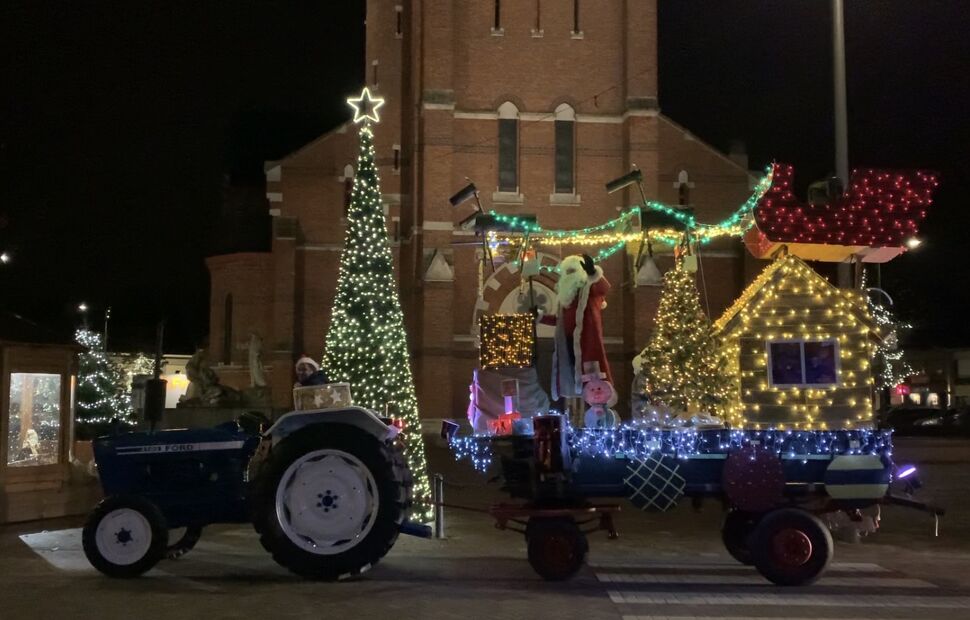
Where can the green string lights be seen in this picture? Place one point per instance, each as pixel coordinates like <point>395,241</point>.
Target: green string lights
<point>617,232</point>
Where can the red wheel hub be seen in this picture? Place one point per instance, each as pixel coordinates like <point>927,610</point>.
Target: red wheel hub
<point>791,547</point>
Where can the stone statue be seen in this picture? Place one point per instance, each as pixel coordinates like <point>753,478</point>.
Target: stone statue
<point>204,389</point>
<point>257,373</point>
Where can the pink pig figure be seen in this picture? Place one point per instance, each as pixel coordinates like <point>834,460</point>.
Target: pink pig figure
<point>599,394</point>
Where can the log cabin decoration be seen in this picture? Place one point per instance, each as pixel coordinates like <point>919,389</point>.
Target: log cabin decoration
<point>799,350</point>
<point>873,221</point>
<point>37,378</point>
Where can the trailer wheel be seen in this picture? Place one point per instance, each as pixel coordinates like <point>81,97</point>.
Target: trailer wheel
<point>557,547</point>
<point>125,536</point>
<point>332,502</point>
<point>791,547</point>
<point>736,534</point>
<point>185,543</point>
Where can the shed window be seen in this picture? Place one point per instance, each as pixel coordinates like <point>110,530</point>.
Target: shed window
<point>803,362</point>
<point>34,422</point>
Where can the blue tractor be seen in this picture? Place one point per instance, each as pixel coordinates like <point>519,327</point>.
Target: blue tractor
<point>328,491</point>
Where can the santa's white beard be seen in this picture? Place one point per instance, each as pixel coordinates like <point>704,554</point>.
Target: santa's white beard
<point>569,286</point>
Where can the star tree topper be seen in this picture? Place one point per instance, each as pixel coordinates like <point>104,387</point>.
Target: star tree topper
<point>366,106</point>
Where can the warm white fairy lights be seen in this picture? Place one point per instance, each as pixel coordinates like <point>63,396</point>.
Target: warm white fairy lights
<point>789,302</point>
<point>366,344</point>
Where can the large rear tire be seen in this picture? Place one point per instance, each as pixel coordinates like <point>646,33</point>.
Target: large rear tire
<point>791,547</point>
<point>331,501</point>
<point>125,536</point>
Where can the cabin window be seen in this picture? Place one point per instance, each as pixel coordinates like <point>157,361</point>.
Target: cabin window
<point>803,362</point>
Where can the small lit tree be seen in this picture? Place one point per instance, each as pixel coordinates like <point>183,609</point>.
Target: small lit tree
<point>103,388</point>
<point>683,365</point>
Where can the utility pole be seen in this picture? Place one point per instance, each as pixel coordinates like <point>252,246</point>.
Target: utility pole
<point>845,278</point>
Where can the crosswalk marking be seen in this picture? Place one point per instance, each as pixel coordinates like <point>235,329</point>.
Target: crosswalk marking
<point>770,598</point>
<point>628,617</point>
<point>755,579</point>
<point>843,567</point>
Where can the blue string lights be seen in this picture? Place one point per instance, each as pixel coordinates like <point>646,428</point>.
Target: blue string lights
<point>633,441</point>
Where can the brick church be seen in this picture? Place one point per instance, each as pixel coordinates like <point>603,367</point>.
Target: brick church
<point>539,104</point>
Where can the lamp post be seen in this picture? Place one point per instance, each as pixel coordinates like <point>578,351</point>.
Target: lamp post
<point>841,115</point>
<point>107,317</point>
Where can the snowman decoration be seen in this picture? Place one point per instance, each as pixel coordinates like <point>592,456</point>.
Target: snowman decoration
<point>600,395</point>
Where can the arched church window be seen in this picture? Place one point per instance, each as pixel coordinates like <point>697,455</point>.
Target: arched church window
<point>508,148</point>
<point>565,149</point>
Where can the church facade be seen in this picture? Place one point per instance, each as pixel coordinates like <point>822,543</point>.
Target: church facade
<point>539,104</point>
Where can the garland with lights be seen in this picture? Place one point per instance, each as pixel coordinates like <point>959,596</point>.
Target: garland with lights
<point>366,344</point>
<point>620,230</point>
<point>683,365</point>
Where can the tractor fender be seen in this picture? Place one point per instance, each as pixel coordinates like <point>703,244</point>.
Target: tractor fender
<point>364,419</point>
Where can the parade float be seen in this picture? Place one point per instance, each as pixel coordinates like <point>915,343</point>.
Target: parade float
<point>766,410</point>
<point>329,489</point>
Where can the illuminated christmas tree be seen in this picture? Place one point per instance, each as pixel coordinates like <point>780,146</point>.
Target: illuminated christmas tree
<point>366,344</point>
<point>682,364</point>
<point>888,364</point>
<point>102,388</point>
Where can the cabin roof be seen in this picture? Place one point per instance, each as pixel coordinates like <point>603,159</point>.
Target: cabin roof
<point>789,267</point>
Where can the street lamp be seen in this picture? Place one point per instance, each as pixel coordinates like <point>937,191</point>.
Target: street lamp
<point>83,309</point>
<point>4,257</point>
<point>107,317</point>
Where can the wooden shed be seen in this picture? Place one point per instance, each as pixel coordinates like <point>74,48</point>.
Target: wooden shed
<point>799,350</point>
<point>38,370</point>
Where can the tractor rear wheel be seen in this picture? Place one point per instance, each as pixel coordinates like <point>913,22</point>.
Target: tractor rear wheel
<point>332,501</point>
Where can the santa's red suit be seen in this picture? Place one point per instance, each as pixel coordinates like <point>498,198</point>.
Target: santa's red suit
<point>579,337</point>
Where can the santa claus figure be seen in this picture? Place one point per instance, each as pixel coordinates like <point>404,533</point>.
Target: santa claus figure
<point>581,293</point>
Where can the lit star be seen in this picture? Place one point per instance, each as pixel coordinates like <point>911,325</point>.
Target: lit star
<point>366,106</point>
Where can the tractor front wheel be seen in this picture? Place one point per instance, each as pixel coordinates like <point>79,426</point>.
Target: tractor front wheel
<point>125,536</point>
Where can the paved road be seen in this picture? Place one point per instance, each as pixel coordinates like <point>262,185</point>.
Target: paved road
<point>663,566</point>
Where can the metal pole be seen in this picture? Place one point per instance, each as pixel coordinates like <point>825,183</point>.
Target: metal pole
<point>841,116</point>
<point>107,317</point>
<point>438,496</point>
<point>841,108</point>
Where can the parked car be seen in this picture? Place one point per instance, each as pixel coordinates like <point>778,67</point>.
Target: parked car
<point>914,420</point>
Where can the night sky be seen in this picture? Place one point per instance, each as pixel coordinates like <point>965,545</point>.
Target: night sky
<point>120,121</point>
